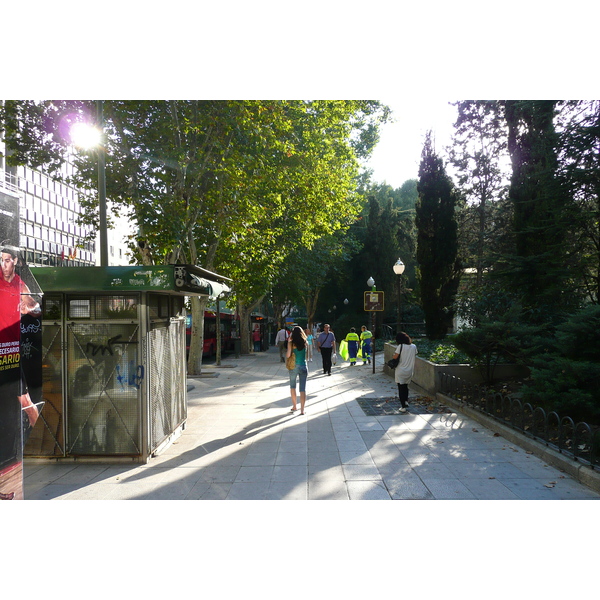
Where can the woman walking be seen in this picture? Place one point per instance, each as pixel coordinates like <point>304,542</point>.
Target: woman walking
<point>406,351</point>
<point>309,346</point>
<point>297,344</point>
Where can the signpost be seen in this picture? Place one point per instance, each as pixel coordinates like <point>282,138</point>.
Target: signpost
<point>374,302</point>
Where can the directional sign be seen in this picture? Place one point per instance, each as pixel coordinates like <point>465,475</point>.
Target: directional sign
<point>374,301</point>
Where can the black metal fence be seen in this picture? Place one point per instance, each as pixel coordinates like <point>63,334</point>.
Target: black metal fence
<point>579,441</point>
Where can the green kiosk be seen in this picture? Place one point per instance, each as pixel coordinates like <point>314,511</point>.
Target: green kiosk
<point>114,359</point>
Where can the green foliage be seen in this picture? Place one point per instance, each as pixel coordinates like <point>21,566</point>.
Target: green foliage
<point>479,143</point>
<point>437,242</point>
<point>566,377</point>
<point>443,352</point>
<point>539,268</point>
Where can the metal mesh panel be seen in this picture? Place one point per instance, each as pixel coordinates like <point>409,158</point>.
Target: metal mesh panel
<point>103,388</point>
<point>168,407</point>
<point>46,438</point>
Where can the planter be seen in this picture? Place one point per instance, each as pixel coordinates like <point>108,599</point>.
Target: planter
<point>426,375</point>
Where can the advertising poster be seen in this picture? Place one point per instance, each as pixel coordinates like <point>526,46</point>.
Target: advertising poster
<point>20,351</point>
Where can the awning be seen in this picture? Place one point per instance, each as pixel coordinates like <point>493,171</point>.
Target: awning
<point>215,288</point>
<point>187,280</point>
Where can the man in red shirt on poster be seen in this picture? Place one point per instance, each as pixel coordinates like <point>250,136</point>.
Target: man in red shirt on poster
<point>15,300</point>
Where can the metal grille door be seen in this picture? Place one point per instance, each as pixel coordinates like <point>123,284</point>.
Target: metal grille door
<point>103,388</point>
<point>167,381</point>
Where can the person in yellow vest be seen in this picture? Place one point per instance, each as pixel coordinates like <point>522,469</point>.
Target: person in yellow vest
<point>366,337</point>
<point>352,340</point>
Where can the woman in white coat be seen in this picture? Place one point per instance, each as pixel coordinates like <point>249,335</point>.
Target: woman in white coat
<point>406,352</point>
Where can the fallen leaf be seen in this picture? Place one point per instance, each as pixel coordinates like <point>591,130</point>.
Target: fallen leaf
<point>496,435</point>
<point>476,430</point>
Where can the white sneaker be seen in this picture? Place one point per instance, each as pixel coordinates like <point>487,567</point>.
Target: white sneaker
<point>403,410</point>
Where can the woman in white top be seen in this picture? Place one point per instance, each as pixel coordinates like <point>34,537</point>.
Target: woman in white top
<point>406,352</point>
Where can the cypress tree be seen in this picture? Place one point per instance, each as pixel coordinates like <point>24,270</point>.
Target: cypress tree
<point>437,242</point>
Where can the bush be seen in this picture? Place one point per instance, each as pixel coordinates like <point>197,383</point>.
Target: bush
<point>566,378</point>
<point>441,352</point>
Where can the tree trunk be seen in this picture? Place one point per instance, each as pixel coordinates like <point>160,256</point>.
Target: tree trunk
<point>197,340</point>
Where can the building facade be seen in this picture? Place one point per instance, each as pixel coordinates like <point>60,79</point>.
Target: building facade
<point>49,232</point>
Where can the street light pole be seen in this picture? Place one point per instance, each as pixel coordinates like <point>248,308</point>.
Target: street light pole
<point>102,186</point>
<point>399,269</point>
<point>371,284</point>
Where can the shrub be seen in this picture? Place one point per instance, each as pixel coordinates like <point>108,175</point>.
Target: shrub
<point>566,378</point>
<point>442,352</point>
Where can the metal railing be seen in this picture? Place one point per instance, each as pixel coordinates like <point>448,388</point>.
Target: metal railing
<point>9,182</point>
<point>579,441</point>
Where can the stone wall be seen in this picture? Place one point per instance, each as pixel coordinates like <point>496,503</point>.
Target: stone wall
<point>426,373</point>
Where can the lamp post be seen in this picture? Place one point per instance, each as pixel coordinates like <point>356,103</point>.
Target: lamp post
<point>102,186</point>
<point>371,284</point>
<point>84,135</point>
<point>398,270</point>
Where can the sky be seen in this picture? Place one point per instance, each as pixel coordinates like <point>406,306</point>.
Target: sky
<point>397,156</point>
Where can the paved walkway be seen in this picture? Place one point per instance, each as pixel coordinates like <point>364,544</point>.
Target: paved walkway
<point>242,442</point>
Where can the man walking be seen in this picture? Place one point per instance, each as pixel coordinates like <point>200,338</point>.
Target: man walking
<point>326,346</point>
<point>366,337</point>
<point>281,341</point>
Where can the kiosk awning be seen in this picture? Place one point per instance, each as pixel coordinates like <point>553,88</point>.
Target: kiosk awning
<point>187,280</point>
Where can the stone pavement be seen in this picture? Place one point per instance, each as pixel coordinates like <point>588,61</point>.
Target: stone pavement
<point>242,442</point>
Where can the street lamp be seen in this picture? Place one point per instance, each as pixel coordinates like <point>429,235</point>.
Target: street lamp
<point>371,284</point>
<point>84,135</point>
<point>102,186</point>
<point>399,269</point>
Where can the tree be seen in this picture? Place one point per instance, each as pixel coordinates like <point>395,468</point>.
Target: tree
<point>233,186</point>
<point>579,170</point>
<point>540,267</point>
<point>437,242</point>
<point>479,144</point>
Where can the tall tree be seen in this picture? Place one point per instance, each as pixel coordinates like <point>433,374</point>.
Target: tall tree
<point>437,242</point>
<point>479,145</point>
<point>579,169</point>
<point>542,212</point>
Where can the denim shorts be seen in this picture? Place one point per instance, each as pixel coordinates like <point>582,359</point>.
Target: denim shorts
<point>300,371</point>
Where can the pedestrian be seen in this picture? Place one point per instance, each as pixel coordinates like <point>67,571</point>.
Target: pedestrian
<point>256,338</point>
<point>366,338</point>
<point>280,340</point>
<point>406,352</point>
<point>352,340</point>
<point>297,344</point>
<point>309,347</point>
<point>326,346</point>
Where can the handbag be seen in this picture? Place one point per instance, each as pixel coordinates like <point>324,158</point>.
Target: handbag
<point>393,362</point>
<point>290,361</point>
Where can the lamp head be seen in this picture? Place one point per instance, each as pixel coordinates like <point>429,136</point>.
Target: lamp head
<point>399,267</point>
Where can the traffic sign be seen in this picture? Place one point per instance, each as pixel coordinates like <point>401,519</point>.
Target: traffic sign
<point>374,301</point>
